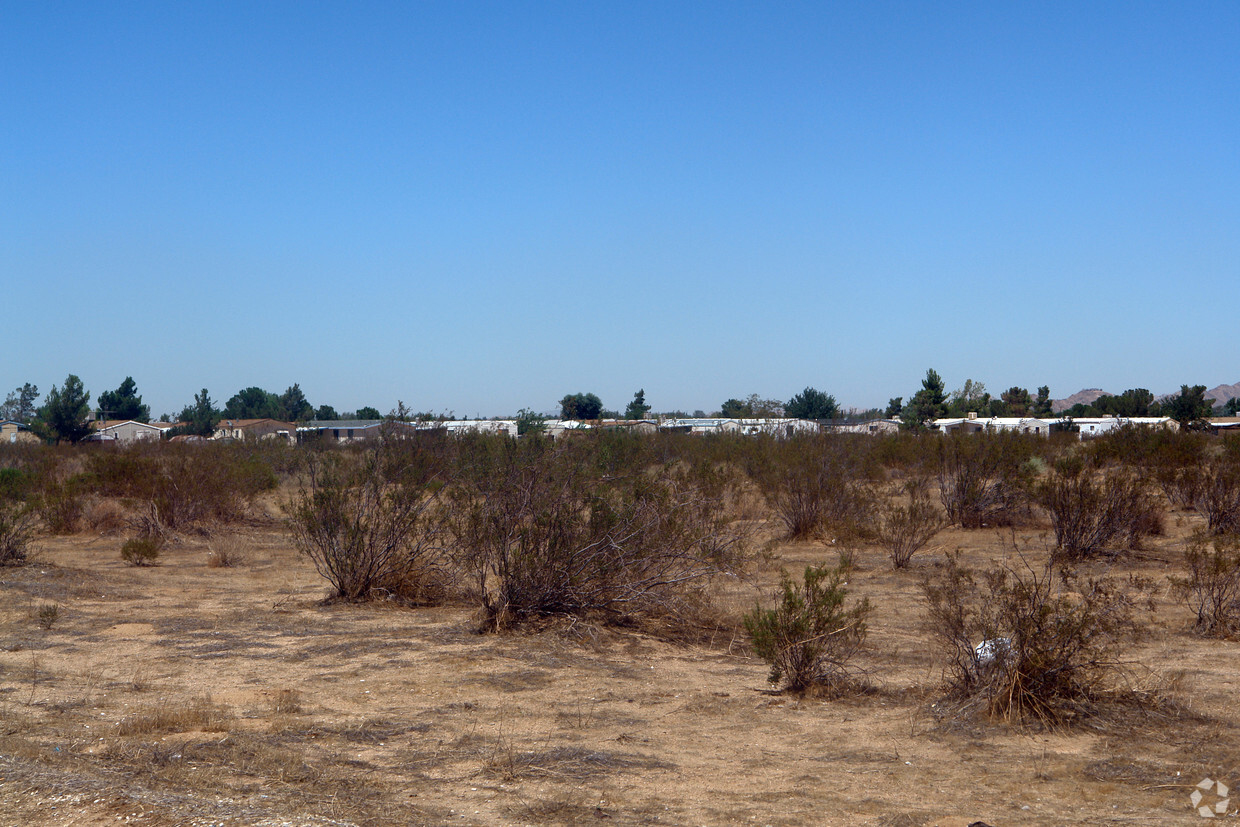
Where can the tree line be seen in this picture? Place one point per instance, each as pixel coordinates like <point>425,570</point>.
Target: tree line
<point>66,412</point>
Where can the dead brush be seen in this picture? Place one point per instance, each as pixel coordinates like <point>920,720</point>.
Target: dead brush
<point>1212,586</point>
<point>903,530</point>
<point>286,702</point>
<point>1030,644</point>
<point>173,715</point>
<point>224,552</point>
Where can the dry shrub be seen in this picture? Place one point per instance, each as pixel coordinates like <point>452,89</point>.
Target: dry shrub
<point>174,715</point>
<point>903,530</point>
<point>181,487</point>
<point>1182,486</point>
<point>60,503</point>
<point>1091,510</point>
<point>809,637</point>
<point>367,520</point>
<point>984,479</point>
<point>224,553</point>
<point>543,531</point>
<point>815,482</point>
<point>1219,497</point>
<point>17,525</point>
<point>1029,644</point>
<point>286,702</point>
<point>1212,587</point>
<point>142,551</point>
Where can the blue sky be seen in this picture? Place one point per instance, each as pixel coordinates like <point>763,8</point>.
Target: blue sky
<point>478,207</point>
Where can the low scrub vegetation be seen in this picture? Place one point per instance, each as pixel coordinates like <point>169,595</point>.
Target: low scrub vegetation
<point>367,521</point>
<point>1212,584</point>
<point>1026,643</point>
<point>543,531</point>
<point>905,529</point>
<point>810,635</point>
<point>1097,511</point>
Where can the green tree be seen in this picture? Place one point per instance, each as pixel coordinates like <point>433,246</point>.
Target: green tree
<point>252,403</point>
<point>638,408</point>
<point>812,404</point>
<point>1042,405</point>
<point>198,419</point>
<point>1232,408</point>
<point>19,405</point>
<point>894,406</point>
<point>971,398</point>
<point>1191,408</point>
<point>65,415</point>
<point>1016,402</point>
<point>529,422</point>
<point>1132,402</point>
<point>294,407</point>
<point>368,412</point>
<point>124,403</point>
<point>735,409</point>
<point>326,413</point>
<point>580,406</point>
<point>927,404</point>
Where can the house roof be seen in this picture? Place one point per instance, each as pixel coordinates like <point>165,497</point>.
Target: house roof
<point>247,423</point>
<point>109,424</point>
<point>332,424</point>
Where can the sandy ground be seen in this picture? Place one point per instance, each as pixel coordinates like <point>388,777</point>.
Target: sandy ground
<point>183,694</point>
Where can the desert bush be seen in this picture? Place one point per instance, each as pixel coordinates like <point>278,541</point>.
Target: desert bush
<point>1090,509</point>
<point>1028,644</point>
<point>984,479</point>
<point>903,530</point>
<point>142,551</point>
<point>1212,585</point>
<point>367,522</point>
<point>224,553</point>
<point>814,482</point>
<point>541,531</point>
<point>17,527</point>
<point>1219,497</point>
<point>60,503</point>
<point>1182,486</point>
<point>810,636</point>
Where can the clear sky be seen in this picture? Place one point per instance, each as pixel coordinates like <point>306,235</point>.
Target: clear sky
<point>477,207</point>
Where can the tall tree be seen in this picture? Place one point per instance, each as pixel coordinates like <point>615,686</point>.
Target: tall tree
<point>927,404</point>
<point>1191,408</point>
<point>971,398</point>
<point>529,422</point>
<point>199,418</point>
<point>252,403</point>
<point>124,403</point>
<point>1016,402</point>
<point>65,414</point>
<point>638,408</point>
<point>581,406</point>
<point>735,409</point>
<point>326,413</point>
<point>294,407</point>
<point>1042,405</point>
<point>19,405</point>
<point>367,412</point>
<point>894,406</point>
<point>812,404</point>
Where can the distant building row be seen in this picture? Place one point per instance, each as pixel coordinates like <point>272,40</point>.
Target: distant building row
<point>357,430</point>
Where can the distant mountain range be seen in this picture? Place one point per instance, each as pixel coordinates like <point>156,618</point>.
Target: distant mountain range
<point>1220,394</point>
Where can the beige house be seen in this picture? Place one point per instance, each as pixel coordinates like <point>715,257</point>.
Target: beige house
<point>12,432</point>
<point>240,429</point>
<point>124,431</point>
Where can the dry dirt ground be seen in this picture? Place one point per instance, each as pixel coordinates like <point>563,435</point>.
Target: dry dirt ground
<point>185,694</point>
